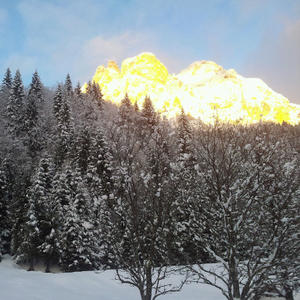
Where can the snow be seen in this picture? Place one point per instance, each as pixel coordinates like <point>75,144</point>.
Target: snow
<point>19,284</point>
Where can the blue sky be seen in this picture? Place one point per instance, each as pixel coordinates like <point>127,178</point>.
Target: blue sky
<point>258,38</point>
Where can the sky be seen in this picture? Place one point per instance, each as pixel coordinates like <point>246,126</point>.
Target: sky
<point>258,38</point>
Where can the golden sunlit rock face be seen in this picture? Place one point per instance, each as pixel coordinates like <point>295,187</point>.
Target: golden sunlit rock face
<point>205,90</point>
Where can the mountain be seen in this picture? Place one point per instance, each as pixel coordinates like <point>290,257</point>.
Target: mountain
<point>205,90</point>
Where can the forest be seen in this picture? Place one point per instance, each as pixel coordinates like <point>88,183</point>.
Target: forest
<point>89,185</point>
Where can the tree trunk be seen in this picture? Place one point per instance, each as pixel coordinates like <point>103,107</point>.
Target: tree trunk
<point>288,293</point>
<point>234,278</point>
<point>31,265</point>
<point>148,283</point>
<point>47,266</point>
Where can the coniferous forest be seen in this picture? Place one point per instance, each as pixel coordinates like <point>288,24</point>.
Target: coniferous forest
<point>88,185</point>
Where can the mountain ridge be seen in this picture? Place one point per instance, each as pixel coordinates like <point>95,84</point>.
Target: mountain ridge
<point>204,90</point>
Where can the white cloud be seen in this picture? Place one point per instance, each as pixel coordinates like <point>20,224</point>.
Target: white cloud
<point>100,49</point>
<point>64,38</point>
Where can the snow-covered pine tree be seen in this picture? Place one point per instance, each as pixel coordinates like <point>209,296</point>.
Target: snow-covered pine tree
<point>50,248</point>
<point>5,226</point>
<point>36,226</point>
<point>16,107</point>
<point>97,95</point>
<point>126,111</point>
<point>63,127</point>
<point>100,183</point>
<point>77,242</point>
<point>81,150</point>
<point>159,226</point>
<point>94,93</point>
<point>149,116</point>
<point>100,171</point>
<point>124,134</point>
<point>68,86</point>
<point>184,179</point>
<point>136,107</point>
<point>7,81</point>
<point>32,115</point>
<point>77,90</point>
<point>89,88</point>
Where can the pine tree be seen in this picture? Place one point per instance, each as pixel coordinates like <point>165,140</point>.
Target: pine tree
<point>37,225</point>
<point>100,172</point>
<point>4,210</point>
<point>89,88</point>
<point>148,121</point>
<point>82,149</point>
<point>7,80</point>
<point>36,88</point>
<point>94,92</point>
<point>57,103</point>
<point>77,90</point>
<point>126,111</point>
<point>64,130</point>
<point>68,86</point>
<point>50,248</point>
<point>185,153</point>
<point>183,179</point>
<point>4,96</point>
<point>77,241</point>
<point>136,107</point>
<point>32,116</point>
<point>15,108</point>
<point>150,117</point>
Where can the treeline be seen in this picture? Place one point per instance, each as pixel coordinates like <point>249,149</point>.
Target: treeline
<point>88,185</point>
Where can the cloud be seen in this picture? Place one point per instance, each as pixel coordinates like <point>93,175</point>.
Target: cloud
<point>277,60</point>
<point>99,50</point>
<point>78,36</point>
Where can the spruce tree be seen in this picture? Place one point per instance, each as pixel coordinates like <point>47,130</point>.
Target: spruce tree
<point>4,210</point>
<point>81,148</point>
<point>7,80</point>
<point>32,116</point>
<point>183,179</point>
<point>4,96</point>
<point>100,172</point>
<point>37,226</point>
<point>150,117</point>
<point>16,107</point>
<point>148,120</point>
<point>94,92</point>
<point>68,86</point>
<point>126,111</point>
<point>77,90</point>
<point>63,126</point>
<point>77,241</point>
<point>50,248</point>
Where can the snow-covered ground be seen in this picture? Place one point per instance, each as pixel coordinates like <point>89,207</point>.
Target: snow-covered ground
<point>18,284</point>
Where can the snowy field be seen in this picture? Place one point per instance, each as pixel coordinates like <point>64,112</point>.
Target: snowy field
<point>18,284</point>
